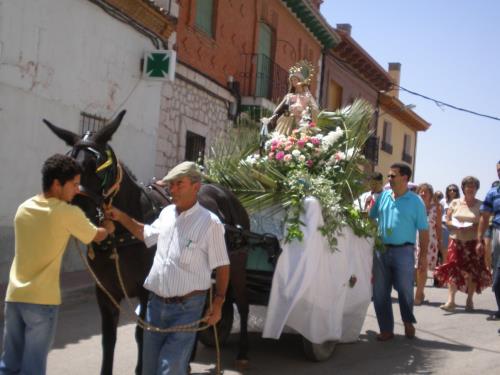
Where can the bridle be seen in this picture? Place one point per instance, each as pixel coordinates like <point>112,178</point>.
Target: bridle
<point>108,172</point>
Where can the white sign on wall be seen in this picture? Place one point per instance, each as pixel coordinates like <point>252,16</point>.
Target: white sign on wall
<point>159,65</point>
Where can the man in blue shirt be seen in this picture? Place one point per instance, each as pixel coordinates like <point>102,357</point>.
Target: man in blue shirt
<point>400,213</point>
<point>491,206</point>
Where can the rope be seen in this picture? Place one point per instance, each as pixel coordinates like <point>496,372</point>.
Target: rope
<point>191,327</point>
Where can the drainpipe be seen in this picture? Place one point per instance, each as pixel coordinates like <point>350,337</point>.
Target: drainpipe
<point>322,80</point>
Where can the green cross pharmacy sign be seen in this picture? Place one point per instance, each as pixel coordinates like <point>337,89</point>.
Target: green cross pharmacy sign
<point>159,64</point>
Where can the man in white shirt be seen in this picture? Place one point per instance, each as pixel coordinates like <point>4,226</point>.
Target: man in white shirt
<point>190,244</point>
<point>367,199</point>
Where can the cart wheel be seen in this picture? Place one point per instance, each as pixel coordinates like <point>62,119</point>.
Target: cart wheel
<point>318,352</point>
<point>223,327</point>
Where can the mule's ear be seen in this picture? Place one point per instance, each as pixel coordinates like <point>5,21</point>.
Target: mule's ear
<point>67,136</point>
<point>104,135</point>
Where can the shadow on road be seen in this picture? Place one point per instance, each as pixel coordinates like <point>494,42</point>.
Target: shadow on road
<point>365,356</point>
<point>80,320</point>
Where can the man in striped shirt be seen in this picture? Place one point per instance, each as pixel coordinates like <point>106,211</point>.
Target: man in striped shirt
<point>190,244</point>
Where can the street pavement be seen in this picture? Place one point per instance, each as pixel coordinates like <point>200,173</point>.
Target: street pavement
<point>446,343</point>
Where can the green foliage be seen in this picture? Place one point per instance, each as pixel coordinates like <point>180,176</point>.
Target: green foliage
<point>323,160</point>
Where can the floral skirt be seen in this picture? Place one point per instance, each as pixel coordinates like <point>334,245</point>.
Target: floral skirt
<point>463,262</point>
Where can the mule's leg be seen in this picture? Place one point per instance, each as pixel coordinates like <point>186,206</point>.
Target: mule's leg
<point>109,323</point>
<point>139,332</point>
<point>238,289</point>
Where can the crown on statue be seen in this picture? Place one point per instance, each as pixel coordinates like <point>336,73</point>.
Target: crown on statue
<point>303,70</point>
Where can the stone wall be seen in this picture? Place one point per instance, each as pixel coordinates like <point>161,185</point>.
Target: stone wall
<point>192,103</point>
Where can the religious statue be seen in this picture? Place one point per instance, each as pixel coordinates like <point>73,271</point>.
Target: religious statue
<point>298,108</point>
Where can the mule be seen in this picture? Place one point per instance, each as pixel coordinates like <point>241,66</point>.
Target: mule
<point>106,180</point>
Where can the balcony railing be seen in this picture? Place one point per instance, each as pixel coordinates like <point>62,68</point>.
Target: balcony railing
<point>263,78</point>
<point>386,147</point>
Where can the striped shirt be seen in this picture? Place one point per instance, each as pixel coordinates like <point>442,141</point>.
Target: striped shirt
<point>190,245</point>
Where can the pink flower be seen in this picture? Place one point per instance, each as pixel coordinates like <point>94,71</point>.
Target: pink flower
<point>301,143</point>
<point>271,155</point>
<point>287,157</point>
<point>315,141</point>
<point>309,163</point>
<point>280,155</point>
<point>288,147</point>
<point>312,124</point>
<point>273,147</point>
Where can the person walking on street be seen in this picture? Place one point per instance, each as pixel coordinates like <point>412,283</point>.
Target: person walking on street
<point>491,207</point>
<point>366,200</point>
<point>43,225</point>
<point>433,208</point>
<point>400,213</point>
<point>190,244</point>
<point>465,268</point>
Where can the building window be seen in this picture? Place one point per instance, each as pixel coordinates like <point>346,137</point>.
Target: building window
<point>91,123</point>
<point>370,149</point>
<point>407,154</point>
<point>195,147</point>
<point>334,95</point>
<point>204,16</point>
<point>386,137</point>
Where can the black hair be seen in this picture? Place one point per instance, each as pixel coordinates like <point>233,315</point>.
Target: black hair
<point>376,176</point>
<point>59,167</point>
<point>447,193</point>
<point>404,169</point>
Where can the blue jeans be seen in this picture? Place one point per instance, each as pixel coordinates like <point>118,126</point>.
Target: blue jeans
<point>393,267</point>
<point>169,353</point>
<point>28,335</point>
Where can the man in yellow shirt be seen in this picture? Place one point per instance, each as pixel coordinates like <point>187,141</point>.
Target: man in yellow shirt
<point>43,225</point>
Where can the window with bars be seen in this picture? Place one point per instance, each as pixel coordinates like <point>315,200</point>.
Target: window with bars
<point>407,154</point>
<point>386,137</point>
<point>195,147</point>
<point>370,150</point>
<point>204,16</point>
<point>91,122</point>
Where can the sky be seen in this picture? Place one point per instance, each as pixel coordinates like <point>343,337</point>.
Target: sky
<point>449,50</point>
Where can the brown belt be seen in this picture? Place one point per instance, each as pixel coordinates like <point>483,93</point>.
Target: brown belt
<point>181,299</point>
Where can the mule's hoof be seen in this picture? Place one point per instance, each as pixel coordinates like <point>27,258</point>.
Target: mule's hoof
<point>242,364</point>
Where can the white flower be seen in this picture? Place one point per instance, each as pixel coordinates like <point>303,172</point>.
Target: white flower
<point>350,153</point>
<point>296,153</point>
<point>302,158</point>
<point>331,138</point>
<point>309,144</point>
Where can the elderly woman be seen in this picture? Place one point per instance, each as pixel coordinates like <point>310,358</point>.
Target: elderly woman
<point>464,270</point>
<point>426,192</point>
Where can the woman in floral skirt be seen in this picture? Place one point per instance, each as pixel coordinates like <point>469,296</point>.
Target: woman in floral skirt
<point>426,192</point>
<point>464,270</point>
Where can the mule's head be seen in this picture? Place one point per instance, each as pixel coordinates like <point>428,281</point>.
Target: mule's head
<point>98,162</point>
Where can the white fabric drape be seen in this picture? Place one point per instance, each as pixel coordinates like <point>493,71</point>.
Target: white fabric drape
<point>311,292</point>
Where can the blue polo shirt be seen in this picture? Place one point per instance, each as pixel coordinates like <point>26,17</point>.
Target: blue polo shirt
<point>400,218</point>
<point>491,204</point>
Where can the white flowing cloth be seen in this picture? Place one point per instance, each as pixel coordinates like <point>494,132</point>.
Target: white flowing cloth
<point>311,292</point>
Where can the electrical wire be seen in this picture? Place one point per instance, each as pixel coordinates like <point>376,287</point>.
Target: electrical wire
<point>440,103</point>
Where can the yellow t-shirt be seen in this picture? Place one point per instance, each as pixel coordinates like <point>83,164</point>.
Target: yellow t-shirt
<point>42,229</point>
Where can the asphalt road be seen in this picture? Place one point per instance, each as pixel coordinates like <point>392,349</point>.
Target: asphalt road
<point>446,343</point>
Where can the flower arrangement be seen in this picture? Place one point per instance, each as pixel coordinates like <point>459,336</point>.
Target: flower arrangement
<point>322,159</point>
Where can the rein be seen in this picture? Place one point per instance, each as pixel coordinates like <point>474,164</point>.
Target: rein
<point>104,202</point>
<point>191,327</point>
